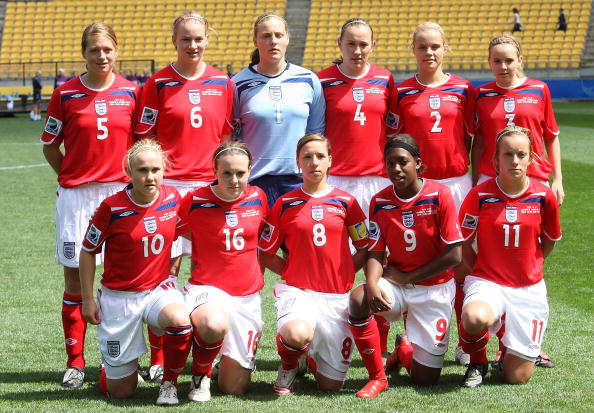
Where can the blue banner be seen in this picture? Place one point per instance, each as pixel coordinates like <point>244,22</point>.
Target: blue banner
<point>563,88</point>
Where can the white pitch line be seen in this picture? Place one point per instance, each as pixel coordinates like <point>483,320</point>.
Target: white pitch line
<point>7,168</point>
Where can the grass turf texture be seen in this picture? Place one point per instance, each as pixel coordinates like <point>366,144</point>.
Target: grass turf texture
<point>32,350</point>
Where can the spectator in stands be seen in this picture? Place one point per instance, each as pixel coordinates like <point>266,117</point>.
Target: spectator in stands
<point>37,86</point>
<point>230,70</point>
<point>60,78</point>
<point>517,24</point>
<point>562,21</point>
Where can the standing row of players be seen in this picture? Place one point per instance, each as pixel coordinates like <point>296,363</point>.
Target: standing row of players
<point>189,108</point>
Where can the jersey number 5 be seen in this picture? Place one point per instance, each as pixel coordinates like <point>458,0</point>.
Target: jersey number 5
<point>102,131</point>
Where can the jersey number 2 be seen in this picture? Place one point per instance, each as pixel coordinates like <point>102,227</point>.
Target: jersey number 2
<point>436,128</point>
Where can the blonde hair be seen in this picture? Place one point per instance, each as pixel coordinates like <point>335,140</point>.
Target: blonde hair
<point>255,56</point>
<point>98,29</point>
<point>430,26</point>
<point>190,15</point>
<point>143,145</point>
<point>514,130</point>
<point>512,41</point>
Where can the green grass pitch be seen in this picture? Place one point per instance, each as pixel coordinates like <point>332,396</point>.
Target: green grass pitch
<point>32,350</point>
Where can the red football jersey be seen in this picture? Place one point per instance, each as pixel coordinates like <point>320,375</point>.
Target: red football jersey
<point>95,127</point>
<point>527,105</point>
<point>189,118</point>
<point>315,231</point>
<point>509,229</point>
<point>356,110</point>
<point>440,118</point>
<point>137,239</point>
<point>225,239</point>
<point>414,230</point>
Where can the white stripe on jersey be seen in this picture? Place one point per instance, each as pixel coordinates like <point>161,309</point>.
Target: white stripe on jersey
<point>197,198</point>
<point>162,78</point>
<point>382,200</point>
<point>68,91</point>
<point>404,88</point>
<point>462,86</point>
<point>117,208</point>
<point>382,77</point>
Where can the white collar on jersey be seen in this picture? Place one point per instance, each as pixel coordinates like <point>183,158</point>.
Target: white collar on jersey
<point>326,192</point>
<point>512,87</point>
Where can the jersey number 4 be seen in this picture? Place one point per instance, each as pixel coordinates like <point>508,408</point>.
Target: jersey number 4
<point>360,115</point>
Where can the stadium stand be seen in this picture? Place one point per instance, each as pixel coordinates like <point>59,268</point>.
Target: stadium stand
<point>468,24</point>
<point>45,35</point>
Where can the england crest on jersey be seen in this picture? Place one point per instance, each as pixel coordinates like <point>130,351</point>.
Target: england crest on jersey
<point>434,102</point>
<point>150,224</point>
<point>69,250</point>
<point>275,93</point>
<point>509,104</point>
<point>231,218</point>
<point>317,212</point>
<point>408,218</point>
<point>101,107</point>
<point>194,96</point>
<point>358,94</point>
<point>511,213</point>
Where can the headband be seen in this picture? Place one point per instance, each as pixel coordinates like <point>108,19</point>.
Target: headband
<point>399,144</point>
<point>232,148</point>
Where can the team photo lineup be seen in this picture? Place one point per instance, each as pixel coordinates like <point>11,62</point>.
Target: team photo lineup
<point>446,195</point>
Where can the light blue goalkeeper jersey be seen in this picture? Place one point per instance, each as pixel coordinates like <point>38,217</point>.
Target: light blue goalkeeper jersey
<point>273,113</point>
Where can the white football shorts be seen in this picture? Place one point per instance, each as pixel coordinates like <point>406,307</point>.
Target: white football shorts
<point>429,312</point>
<point>122,313</point>
<point>74,209</point>
<point>459,187</point>
<point>245,320</point>
<point>182,246</point>
<point>363,188</point>
<point>327,314</point>
<point>526,313</point>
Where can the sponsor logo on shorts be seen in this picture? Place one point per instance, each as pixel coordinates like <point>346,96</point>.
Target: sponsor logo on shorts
<point>149,116</point>
<point>392,120</point>
<point>288,304</point>
<point>100,107</point>
<point>408,218</point>
<point>434,102</point>
<point>317,212</point>
<point>150,224</point>
<point>93,235</point>
<point>358,94</point>
<point>69,250</point>
<point>509,104</point>
<point>275,93</point>
<point>511,213</point>
<point>53,126</point>
<point>470,221</point>
<point>267,231</point>
<point>194,96</point>
<point>113,348</point>
<point>231,218</point>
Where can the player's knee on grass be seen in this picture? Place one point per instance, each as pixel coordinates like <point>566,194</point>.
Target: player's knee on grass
<point>358,308</point>
<point>233,378</point>
<point>326,384</point>
<point>211,322</point>
<point>517,370</point>
<point>122,380</point>
<point>476,316</point>
<point>297,333</point>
